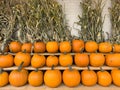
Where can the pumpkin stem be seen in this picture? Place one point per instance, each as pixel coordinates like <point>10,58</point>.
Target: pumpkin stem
<point>82,50</point>
<point>24,51</point>
<point>52,68</point>
<point>70,67</point>
<point>101,69</point>
<point>88,68</point>
<point>36,70</point>
<point>20,67</point>
<point>1,70</point>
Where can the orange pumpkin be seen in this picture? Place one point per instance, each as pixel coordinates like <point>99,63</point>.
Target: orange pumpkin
<point>71,77</point>
<point>15,46</point>
<point>52,61</point>
<point>104,78</point>
<point>113,60</point>
<point>52,78</point>
<point>4,78</point>
<point>81,59</point>
<point>77,45</point>
<point>38,61</point>
<point>65,59</point>
<point>18,77</point>
<point>97,59</point>
<point>22,57</point>
<point>91,46</point>
<point>65,46</point>
<point>116,48</point>
<point>6,60</point>
<point>35,78</point>
<point>88,77</point>
<point>105,47</point>
<point>26,47</point>
<point>115,73</point>
<point>39,47</point>
<point>52,46</point>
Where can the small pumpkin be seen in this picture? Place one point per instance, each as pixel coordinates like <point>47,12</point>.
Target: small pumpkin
<point>91,46</point>
<point>52,60</point>
<point>52,78</point>
<point>4,78</point>
<point>71,77</point>
<point>39,47</point>
<point>15,46</point>
<point>97,59</point>
<point>26,47</point>
<point>116,48</point>
<point>77,45</point>
<point>113,60</point>
<point>65,59</point>
<point>81,59</point>
<point>105,47</point>
<point>88,77</point>
<point>115,73</point>
<point>35,78</point>
<point>22,57</point>
<point>65,46</point>
<point>6,60</point>
<point>104,78</point>
<point>18,77</point>
<point>52,46</point>
<point>38,60</point>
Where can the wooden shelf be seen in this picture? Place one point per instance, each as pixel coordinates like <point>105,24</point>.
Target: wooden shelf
<point>61,68</point>
<point>61,87</point>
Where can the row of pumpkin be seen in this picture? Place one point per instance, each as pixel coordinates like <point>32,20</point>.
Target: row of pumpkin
<point>63,46</point>
<point>64,59</point>
<point>53,78</point>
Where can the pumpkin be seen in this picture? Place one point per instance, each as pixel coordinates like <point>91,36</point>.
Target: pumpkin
<point>77,45</point>
<point>113,60</point>
<point>88,77</point>
<point>38,61</point>
<point>105,47</point>
<point>26,47</point>
<point>81,59</point>
<point>116,48</point>
<point>39,47</point>
<point>52,78</point>
<point>65,46</point>
<point>6,60</point>
<point>65,59</point>
<point>71,77</point>
<point>4,78</point>
<point>104,78</point>
<point>35,78</point>
<point>115,73</point>
<point>52,46</point>
<point>97,59</point>
<point>91,46</point>
<point>22,57</point>
<point>18,77</point>
<point>15,46</point>
<point>52,60</point>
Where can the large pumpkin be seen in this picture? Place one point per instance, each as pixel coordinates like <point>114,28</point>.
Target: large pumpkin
<point>6,60</point>
<point>91,46</point>
<point>52,46</point>
<point>15,46</point>
<point>35,78</point>
<point>77,45</point>
<point>89,77</point>
<point>97,59</point>
<point>18,77</point>
<point>39,47</point>
<point>113,60</point>
<point>52,78</point>
<point>115,73</point>
<point>4,78</point>
<point>71,77</point>
<point>81,59</point>
<point>38,60</point>
<point>65,59</point>
<point>22,57</point>
<point>26,47</point>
